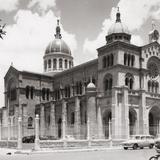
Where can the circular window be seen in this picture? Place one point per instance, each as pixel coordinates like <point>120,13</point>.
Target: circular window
<point>153,70</point>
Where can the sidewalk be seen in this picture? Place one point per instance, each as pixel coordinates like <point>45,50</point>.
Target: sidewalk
<point>8,151</point>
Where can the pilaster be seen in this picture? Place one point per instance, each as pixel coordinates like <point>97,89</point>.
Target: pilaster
<point>52,120</point>
<point>143,123</point>
<point>64,119</point>
<point>42,120</point>
<point>125,114</point>
<point>77,117</point>
<point>115,124</point>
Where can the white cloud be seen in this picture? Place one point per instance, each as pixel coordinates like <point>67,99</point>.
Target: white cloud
<point>136,40</point>
<point>8,5</point>
<point>42,4</point>
<point>26,40</point>
<point>133,14</point>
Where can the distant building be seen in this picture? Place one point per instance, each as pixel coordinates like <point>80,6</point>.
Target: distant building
<point>118,90</point>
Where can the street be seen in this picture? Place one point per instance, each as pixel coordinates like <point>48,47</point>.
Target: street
<point>110,154</point>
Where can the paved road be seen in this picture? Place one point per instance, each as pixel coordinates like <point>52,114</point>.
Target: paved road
<point>118,154</point>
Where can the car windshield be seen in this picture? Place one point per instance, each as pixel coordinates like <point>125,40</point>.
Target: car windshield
<point>135,137</point>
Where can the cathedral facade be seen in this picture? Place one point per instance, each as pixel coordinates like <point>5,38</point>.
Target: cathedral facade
<point>113,96</point>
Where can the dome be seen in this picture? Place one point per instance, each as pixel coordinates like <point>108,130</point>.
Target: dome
<point>58,45</point>
<point>118,26</point>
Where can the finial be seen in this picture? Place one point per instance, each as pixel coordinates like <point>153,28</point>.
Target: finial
<point>57,22</point>
<point>12,64</point>
<point>117,9</point>
<point>90,79</point>
<point>118,16</point>
<point>58,31</point>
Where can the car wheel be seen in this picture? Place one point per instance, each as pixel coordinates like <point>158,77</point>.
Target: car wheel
<point>141,147</point>
<point>151,146</point>
<point>125,148</point>
<point>135,146</point>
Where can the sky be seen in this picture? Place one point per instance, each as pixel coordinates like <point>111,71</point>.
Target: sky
<point>30,26</point>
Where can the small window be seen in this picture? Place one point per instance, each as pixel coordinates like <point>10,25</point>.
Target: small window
<point>30,122</point>
<point>49,63</point>
<point>60,63</point>
<point>27,91</point>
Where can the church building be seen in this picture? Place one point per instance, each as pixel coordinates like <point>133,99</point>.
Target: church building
<point>115,95</point>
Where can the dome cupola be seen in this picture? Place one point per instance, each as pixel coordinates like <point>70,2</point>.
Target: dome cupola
<point>57,54</point>
<point>118,31</point>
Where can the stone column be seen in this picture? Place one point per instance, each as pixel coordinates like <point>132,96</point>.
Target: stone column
<point>91,110</point>
<point>42,120</point>
<point>9,129</point>
<point>12,128</point>
<point>77,117</point>
<point>52,120</point>
<point>36,143</point>
<point>19,133</point>
<point>64,119</point>
<point>125,114</point>
<point>142,113</point>
<point>115,122</point>
<point>71,90</point>
<point>100,124</point>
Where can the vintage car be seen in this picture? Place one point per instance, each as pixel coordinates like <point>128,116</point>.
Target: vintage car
<point>139,141</point>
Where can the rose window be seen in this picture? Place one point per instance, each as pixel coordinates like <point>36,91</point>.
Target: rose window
<point>153,70</point>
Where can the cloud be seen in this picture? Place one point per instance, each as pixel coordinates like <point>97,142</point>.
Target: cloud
<point>8,5</point>
<point>134,14</point>
<point>26,40</point>
<point>42,4</point>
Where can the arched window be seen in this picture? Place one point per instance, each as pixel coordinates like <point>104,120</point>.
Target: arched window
<point>104,62</point>
<point>108,82</point>
<point>54,63</point>
<point>43,93</point>
<point>112,60</point>
<point>153,85</point>
<point>126,81</point>
<point>149,86</point>
<point>125,59</point>
<point>129,59</point>
<point>32,92</point>
<point>156,87</point>
<point>70,64</point>
<point>66,63</point>
<point>72,118</point>
<point>45,65</point>
<point>133,59</point>
<point>47,94</point>
<point>27,91</point>
<point>108,62</point>
<point>131,84</point>
<point>49,63</point>
<point>129,80</point>
<point>60,64</point>
<point>30,122</point>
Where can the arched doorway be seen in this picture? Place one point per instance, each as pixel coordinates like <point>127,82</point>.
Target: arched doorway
<point>107,116</point>
<point>132,121</point>
<point>59,128</point>
<point>154,121</point>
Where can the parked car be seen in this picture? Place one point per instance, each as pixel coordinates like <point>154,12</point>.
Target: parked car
<point>28,139</point>
<point>139,141</point>
<point>31,139</point>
